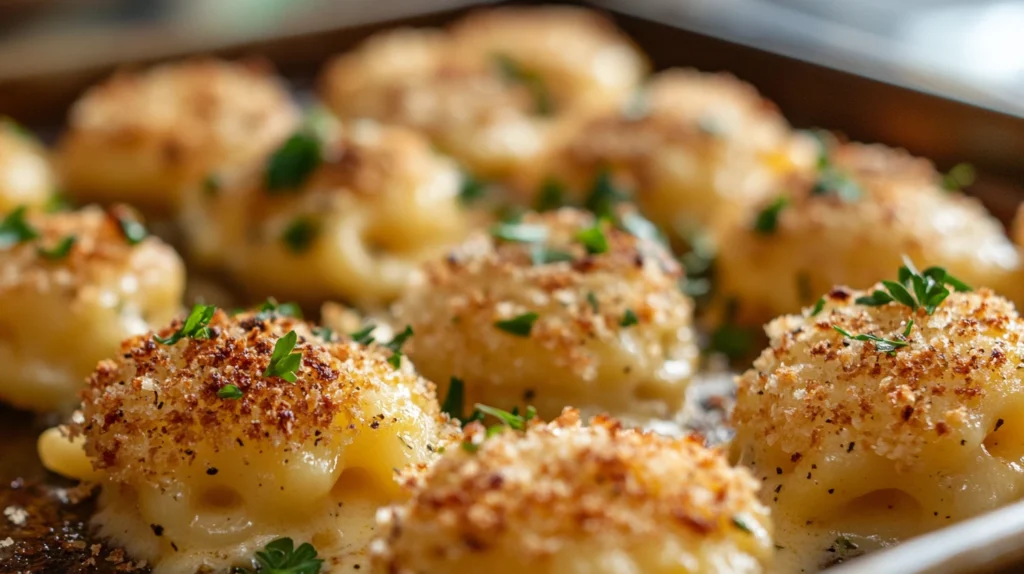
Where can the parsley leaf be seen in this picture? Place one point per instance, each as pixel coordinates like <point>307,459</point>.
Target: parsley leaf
<point>628,319</point>
<point>640,226</point>
<point>59,251</point>
<point>604,196</point>
<point>471,189</point>
<point>196,326</point>
<point>271,308</point>
<point>959,176</point>
<point>593,239</point>
<point>818,306</point>
<point>551,196</point>
<point>832,181</point>
<point>395,360</point>
<point>454,401</point>
<point>300,233</point>
<point>14,228</point>
<point>520,326</point>
<point>926,290</point>
<point>281,557</point>
<point>520,232</point>
<point>541,255</point>
<point>231,392</point>
<point>292,163</point>
<point>881,345</point>
<point>364,336</point>
<point>284,363</point>
<point>325,333</point>
<point>134,231</point>
<point>740,522</point>
<point>514,73</point>
<point>510,419</point>
<point>768,219</point>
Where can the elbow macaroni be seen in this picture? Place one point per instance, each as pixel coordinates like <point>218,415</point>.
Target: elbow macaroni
<point>192,480</point>
<point>61,315</point>
<point>613,331</point>
<point>567,498</point>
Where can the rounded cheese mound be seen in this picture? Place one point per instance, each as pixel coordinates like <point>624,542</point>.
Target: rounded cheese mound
<point>876,445</point>
<point>889,205</point>
<point>141,137</point>
<point>695,150</point>
<point>61,310</point>
<point>610,331</point>
<point>193,479</point>
<point>26,177</point>
<point>378,203</point>
<point>566,498</point>
<point>496,93</point>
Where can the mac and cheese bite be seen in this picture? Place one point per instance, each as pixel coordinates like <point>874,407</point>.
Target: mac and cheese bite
<point>557,309</point>
<point>141,137</point>
<point>564,497</point>
<point>72,286</point>
<point>219,434</point>
<point>866,208</point>
<point>870,421</point>
<point>347,217</point>
<point>26,176</point>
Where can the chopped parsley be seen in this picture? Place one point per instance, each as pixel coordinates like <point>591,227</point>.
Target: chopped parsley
<point>520,326</point>
<point>59,251</point>
<point>768,218</point>
<point>514,73</point>
<point>926,289</point>
<point>196,326</point>
<point>471,189</point>
<point>541,255</point>
<point>604,196</point>
<point>454,401</point>
<point>292,164</point>
<point>395,345</point>
<point>134,231</point>
<point>14,228</point>
<point>325,333</point>
<point>300,233</point>
<point>818,306</point>
<point>364,336</point>
<point>271,308</point>
<point>594,239</point>
<point>959,176</point>
<point>628,319</point>
<point>881,345</point>
<point>551,196</point>
<point>283,362</point>
<point>512,419</point>
<point>281,557</point>
<point>231,392</point>
<point>520,232</point>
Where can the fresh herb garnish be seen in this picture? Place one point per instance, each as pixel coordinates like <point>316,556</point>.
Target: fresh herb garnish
<point>132,229</point>
<point>512,419</point>
<point>520,326</point>
<point>881,345</point>
<point>271,308</point>
<point>292,164</point>
<point>832,181</point>
<point>551,196</point>
<point>520,232</point>
<point>959,176</point>
<point>818,306</point>
<point>229,392</point>
<point>926,290</point>
<point>628,319</point>
<point>594,239</point>
<point>542,255</point>
<point>59,251</point>
<point>604,196</point>
<point>364,336</point>
<point>325,333</point>
<point>395,360</point>
<point>471,189</point>
<point>740,522</point>
<point>196,326</point>
<point>281,557</point>
<point>283,362</point>
<point>640,226</point>
<point>300,233</point>
<point>454,401</point>
<point>14,228</point>
<point>768,218</point>
<point>513,72</point>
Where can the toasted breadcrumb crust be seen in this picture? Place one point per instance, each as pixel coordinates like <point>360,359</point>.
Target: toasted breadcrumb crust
<point>99,256</point>
<point>813,390</point>
<point>531,496</point>
<point>581,304</point>
<point>145,411</point>
<point>822,239</point>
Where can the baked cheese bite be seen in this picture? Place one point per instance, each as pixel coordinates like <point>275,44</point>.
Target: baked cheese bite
<point>72,286</point>
<point>498,91</point>
<point>866,207</point>
<point>558,309</point>
<point>218,435</point>
<point>693,150</point>
<point>26,176</point>
<point>347,217</point>
<point>871,420</point>
<point>564,497</point>
<point>140,137</point>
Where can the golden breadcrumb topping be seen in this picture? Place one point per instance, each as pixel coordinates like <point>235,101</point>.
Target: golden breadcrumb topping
<point>99,255</point>
<point>815,390</point>
<point>532,495</point>
<point>145,411</point>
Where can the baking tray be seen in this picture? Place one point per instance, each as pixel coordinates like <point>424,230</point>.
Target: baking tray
<point>809,94</point>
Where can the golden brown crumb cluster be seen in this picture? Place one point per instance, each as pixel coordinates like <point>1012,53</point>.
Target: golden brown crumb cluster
<point>100,255</point>
<point>815,390</point>
<point>532,496</point>
<point>145,412</point>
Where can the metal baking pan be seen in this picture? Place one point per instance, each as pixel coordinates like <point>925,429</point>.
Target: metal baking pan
<point>856,94</point>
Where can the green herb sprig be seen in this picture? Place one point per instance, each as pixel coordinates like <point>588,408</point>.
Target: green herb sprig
<point>15,228</point>
<point>271,308</point>
<point>230,392</point>
<point>196,326</point>
<point>604,196</point>
<point>914,289</point>
<point>300,234</point>
<point>281,557</point>
<point>882,345</point>
<point>364,336</point>
<point>395,345</point>
<point>292,163</point>
<point>283,362</point>
<point>767,220</point>
<point>59,251</point>
<point>520,325</point>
